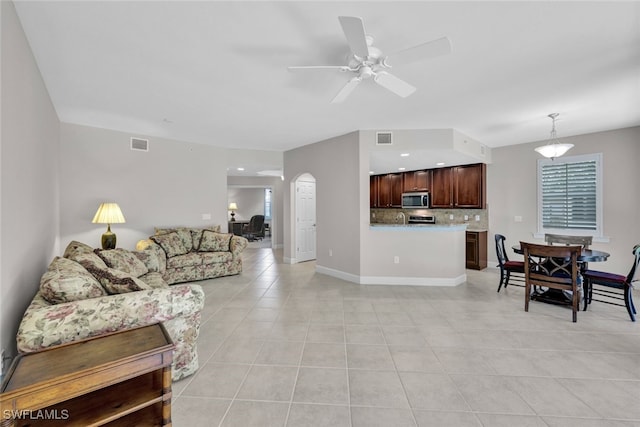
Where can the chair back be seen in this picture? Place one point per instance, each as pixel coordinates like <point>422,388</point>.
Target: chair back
<point>551,266</point>
<point>256,223</point>
<point>584,241</point>
<point>635,268</point>
<point>500,252</point>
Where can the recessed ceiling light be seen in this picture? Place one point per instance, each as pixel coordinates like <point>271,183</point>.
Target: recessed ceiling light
<point>241,169</point>
<point>401,169</point>
<point>371,172</point>
<point>440,164</point>
<point>404,155</point>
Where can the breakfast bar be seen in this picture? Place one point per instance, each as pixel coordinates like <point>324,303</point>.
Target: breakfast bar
<point>415,254</point>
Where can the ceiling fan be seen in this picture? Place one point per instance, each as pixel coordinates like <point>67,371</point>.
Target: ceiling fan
<point>368,62</point>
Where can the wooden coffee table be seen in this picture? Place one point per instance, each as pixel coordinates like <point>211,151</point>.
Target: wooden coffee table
<point>122,378</point>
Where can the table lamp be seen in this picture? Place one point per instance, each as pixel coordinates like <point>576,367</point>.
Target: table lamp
<point>108,213</point>
<point>233,207</point>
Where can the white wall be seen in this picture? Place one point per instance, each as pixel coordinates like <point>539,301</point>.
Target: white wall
<point>335,166</point>
<point>512,191</point>
<point>29,145</point>
<point>172,184</point>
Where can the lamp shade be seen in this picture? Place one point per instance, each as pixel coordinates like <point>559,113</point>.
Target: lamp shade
<point>552,151</point>
<point>108,213</point>
<point>233,206</point>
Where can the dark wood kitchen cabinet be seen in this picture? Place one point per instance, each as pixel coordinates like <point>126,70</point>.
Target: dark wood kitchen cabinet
<point>476,250</point>
<point>374,184</point>
<point>390,190</point>
<point>459,187</point>
<point>416,181</point>
<point>442,188</point>
<point>470,186</point>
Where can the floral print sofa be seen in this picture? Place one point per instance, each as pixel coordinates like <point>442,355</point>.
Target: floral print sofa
<point>190,254</point>
<point>90,292</point>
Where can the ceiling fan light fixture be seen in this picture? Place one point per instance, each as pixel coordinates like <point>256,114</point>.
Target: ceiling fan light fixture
<point>554,148</point>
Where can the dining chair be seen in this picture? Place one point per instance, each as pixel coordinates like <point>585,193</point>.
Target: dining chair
<point>507,267</point>
<point>554,267</point>
<point>613,284</point>
<point>584,241</point>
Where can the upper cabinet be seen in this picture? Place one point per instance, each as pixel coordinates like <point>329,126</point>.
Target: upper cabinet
<point>442,188</point>
<point>452,187</point>
<point>459,187</point>
<point>470,186</point>
<point>416,181</point>
<point>390,191</point>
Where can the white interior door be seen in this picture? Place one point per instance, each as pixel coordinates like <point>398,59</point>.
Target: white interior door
<point>305,220</point>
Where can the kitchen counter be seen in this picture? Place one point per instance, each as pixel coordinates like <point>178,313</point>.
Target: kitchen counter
<point>419,227</point>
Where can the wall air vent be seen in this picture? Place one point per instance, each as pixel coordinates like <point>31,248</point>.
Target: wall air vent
<point>383,138</point>
<point>139,144</point>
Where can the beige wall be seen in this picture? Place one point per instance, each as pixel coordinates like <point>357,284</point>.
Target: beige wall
<point>172,184</point>
<point>29,144</point>
<point>334,163</point>
<point>512,191</point>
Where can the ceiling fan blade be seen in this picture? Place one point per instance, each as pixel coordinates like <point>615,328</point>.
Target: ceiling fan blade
<point>353,29</point>
<point>346,90</point>
<point>431,49</point>
<point>394,84</point>
<point>320,67</point>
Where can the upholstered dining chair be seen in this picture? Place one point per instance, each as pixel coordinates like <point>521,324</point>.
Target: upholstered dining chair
<point>609,286</point>
<point>507,267</point>
<point>554,267</point>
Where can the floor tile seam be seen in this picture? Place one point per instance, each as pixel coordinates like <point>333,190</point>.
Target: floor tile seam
<point>404,388</point>
<point>348,381</point>
<point>244,379</point>
<point>295,382</point>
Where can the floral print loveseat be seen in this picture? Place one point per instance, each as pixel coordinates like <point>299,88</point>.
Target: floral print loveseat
<point>190,254</point>
<point>90,292</point>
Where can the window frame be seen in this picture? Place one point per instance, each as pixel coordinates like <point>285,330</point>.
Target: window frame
<point>598,232</point>
<point>268,202</point>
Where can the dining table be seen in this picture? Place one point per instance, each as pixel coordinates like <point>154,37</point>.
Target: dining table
<point>556,296</point>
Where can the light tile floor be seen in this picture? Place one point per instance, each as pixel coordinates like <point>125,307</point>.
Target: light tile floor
<point>281,345</point>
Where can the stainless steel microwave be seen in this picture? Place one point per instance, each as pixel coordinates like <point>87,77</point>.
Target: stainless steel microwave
<point>415,200</point>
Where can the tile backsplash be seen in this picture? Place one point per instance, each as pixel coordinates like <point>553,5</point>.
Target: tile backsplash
<point>443,216</point>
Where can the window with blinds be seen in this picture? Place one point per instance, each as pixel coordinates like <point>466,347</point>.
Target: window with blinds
<point>569,196</point>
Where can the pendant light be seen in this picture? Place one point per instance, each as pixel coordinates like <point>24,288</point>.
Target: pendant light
<point>554,148</point>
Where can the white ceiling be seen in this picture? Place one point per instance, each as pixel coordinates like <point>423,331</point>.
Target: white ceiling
<point>215,72</point>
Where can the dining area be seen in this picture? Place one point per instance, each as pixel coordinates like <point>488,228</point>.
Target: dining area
<point>558,272</point>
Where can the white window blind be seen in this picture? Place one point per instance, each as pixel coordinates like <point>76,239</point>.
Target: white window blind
<point>267,203</point>
<point>569,194</point>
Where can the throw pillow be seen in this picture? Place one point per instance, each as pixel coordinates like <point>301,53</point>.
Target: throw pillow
<point>149,259</point>
<point>88,260</point>
<point>67,281</point>
<point>75,248</point>
<point>183,232</point>
<point>214,242</point>
<point>196,234</point>
<point>123,260</point>
<point>171,243</point>
<point>118,282</point>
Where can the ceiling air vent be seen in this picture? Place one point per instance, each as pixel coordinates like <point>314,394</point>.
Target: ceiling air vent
<point>139,144</point>
<point>383,138</point>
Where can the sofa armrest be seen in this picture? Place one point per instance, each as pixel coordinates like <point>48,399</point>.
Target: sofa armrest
<point>150,245</point>
<point>237,245</point>
<point>44,325</point>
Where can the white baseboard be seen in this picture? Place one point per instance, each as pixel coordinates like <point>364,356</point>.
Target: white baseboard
<point>394,280</point>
